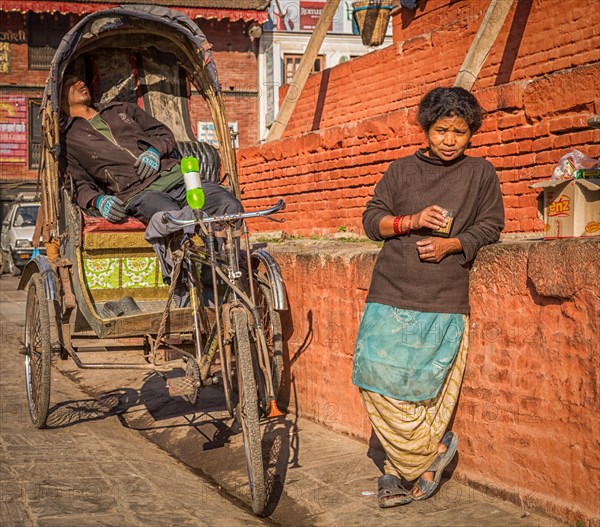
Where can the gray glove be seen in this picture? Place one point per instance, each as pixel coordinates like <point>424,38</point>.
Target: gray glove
<point>148,163</point>
<point>111,208</point>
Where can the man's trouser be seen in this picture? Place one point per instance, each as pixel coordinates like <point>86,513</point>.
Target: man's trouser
<point>217,201</point>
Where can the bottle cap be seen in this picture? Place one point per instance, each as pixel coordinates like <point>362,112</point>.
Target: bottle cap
<point>189,164</point>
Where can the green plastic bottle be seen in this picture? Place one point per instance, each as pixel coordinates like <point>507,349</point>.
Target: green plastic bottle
<point>193,185</point>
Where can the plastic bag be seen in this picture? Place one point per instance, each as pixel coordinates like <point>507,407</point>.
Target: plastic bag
<point>571,162</point>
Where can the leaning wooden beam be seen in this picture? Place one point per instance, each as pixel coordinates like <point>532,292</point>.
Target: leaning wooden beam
<point>308,59</point>
<point>484,40</point>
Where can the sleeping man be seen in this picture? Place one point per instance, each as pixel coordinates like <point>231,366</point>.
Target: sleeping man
<point>118,160</point>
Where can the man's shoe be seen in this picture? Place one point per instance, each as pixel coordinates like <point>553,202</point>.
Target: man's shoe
<point>122,307</point>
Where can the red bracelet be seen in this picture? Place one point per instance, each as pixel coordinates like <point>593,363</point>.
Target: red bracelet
<point>397,225</point>
<point>410,224</point>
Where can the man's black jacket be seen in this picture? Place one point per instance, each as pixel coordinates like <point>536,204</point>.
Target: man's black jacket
<point>96,165</point>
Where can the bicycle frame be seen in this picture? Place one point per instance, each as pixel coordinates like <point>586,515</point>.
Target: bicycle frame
<point>225,267</point>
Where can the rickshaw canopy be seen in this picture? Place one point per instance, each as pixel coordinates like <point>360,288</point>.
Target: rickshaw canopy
<point>134,18</point>
<point>172,51</point>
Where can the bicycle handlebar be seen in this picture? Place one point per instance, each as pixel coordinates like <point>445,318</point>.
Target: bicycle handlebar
<point>280,205</point>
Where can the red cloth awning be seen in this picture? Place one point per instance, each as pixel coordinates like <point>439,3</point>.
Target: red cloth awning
<point>208,13</point>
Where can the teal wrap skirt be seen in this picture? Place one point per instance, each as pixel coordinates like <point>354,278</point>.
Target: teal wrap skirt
<point>405,354</point>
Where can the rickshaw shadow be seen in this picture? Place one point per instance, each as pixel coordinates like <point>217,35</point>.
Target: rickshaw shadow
<point>144,409</point>
<point>151,408</point>
<point>75,412</point>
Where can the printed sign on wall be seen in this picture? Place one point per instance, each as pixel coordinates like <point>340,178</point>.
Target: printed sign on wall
<point>13,130</point>
<point>310,12</point>
<point>207,134</point>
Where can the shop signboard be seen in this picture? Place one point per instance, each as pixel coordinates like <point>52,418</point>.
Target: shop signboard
<point>13,130</point>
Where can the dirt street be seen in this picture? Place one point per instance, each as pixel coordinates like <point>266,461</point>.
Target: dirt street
<point>119,452</point>
<point>87,468</point>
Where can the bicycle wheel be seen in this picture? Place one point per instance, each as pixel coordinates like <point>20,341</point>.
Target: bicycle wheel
<point>38,351</point>
<point>248,412</point>
<point>271,324</point>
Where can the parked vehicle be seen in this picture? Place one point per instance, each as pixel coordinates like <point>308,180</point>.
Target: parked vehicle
<point>17,234</point>
<point>102,285</point>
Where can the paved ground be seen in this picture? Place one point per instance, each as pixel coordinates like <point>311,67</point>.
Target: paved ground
<point>105,459</point>
<point>87,469</point>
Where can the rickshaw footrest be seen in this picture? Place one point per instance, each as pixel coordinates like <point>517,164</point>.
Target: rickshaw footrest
<point>179,386</point>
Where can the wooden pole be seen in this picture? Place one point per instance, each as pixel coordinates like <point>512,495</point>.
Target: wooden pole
<point>484,40</point>
<point>306,64</point>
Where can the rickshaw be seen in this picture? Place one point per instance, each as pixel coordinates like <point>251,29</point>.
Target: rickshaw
<point>230,334</point>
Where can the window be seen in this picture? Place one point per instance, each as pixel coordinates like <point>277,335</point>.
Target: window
<point>291,63</point>
<point>34,120</point>
<point>26,216</point>
<point>44,34</point>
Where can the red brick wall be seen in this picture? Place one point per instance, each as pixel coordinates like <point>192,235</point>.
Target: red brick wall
<point>237,65</point>
<point>527,414</point>
<point>539,85</point>
<point>239,107</point>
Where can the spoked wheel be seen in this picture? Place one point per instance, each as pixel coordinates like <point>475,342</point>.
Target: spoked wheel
<point>248,413</point>
<point>271,324</point>
<point>38,352</point>
<point>227,379</point>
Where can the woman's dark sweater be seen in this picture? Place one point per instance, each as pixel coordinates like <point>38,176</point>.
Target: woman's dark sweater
<point>470,187</point>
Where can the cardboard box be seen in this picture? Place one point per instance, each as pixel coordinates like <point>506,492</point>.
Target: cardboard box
<point>587,173</point>
<point>571,208</point>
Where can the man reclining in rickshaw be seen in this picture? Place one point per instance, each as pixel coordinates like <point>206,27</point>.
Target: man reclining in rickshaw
<point>118,159</point>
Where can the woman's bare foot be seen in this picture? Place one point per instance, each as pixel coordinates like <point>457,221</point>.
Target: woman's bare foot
<point>428,476</point>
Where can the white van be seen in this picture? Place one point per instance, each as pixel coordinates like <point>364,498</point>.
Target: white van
<point>17,234</point>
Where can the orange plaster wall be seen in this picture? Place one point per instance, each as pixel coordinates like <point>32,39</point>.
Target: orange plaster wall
<point>527,414</point>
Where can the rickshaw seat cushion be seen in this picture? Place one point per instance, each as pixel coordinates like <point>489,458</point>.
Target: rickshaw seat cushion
<point>100,224</point>
<point>207,155</point>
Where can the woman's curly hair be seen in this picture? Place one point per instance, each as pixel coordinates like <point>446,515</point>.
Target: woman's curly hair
<point>449,102</point>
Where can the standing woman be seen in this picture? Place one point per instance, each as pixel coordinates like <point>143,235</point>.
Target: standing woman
<point>434,210</point>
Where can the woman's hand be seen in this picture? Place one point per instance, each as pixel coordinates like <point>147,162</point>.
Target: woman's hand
<point>431,217</point>
<point>435,249</point>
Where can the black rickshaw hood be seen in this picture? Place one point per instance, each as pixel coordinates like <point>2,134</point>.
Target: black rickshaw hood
<point>117,18</point>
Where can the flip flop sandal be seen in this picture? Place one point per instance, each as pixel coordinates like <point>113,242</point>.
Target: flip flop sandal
<point>391,493</point>
<point>450,440</point>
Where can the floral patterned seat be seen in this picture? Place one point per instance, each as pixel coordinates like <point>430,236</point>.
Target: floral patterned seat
<point>118,262</point>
